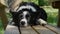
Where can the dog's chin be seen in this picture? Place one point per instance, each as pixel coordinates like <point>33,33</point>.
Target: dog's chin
<point>24,25</point>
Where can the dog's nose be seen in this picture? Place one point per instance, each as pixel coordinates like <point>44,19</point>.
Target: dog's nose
<point>22,23</point>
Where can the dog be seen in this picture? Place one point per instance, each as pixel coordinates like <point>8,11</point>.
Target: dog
<point>29,13</point>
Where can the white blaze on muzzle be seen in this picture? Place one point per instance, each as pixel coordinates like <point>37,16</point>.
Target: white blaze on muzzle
<point>24,14</point>
<point>24,19</point>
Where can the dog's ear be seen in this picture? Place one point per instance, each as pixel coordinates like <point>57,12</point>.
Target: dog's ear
<point>20,11</point>
<point>22,3</point>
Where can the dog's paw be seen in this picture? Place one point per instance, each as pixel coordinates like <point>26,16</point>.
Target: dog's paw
<point>42,22</point>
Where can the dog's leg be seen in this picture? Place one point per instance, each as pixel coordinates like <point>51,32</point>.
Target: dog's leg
<point>19,29</point>
<point>42,22</point>
<point>18,25</point>
<point>16,21</point>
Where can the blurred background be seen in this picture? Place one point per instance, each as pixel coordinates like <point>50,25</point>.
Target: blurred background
<point>46,5</point>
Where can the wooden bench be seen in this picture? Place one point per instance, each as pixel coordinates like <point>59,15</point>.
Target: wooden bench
<point>28,30</point>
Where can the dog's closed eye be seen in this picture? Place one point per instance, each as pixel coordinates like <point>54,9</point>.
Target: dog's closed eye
<point>27,16</point>
<point>21,16</point>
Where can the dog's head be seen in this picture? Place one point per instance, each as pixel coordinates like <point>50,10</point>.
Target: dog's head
<point>25,14</point>
<point>24,17</point>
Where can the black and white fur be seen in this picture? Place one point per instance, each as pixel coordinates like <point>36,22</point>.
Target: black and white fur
<point>29,13</point>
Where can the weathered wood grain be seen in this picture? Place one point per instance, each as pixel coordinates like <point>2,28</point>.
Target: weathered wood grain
<point>28,30</point>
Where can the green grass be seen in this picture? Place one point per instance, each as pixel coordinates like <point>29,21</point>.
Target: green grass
<point>1,28</point>
<point>52,15</point>
<point>1,31</point>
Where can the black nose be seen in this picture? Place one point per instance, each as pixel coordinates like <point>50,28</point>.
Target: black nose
<point>22,23</point>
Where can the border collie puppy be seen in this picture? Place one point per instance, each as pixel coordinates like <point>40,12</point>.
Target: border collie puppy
<point>28,13</point>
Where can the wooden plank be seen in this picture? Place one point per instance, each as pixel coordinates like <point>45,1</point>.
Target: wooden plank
<point>43,30</point>
<point>28,30</point>
<point>54,29</point>
<point>14,30</point>
<point>11,30</point>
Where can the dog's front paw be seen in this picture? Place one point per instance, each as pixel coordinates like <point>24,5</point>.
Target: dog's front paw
<point>42,22</point>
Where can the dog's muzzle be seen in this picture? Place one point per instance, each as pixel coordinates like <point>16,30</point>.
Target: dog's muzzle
<point>22,22</point>
<point>24,18</point>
